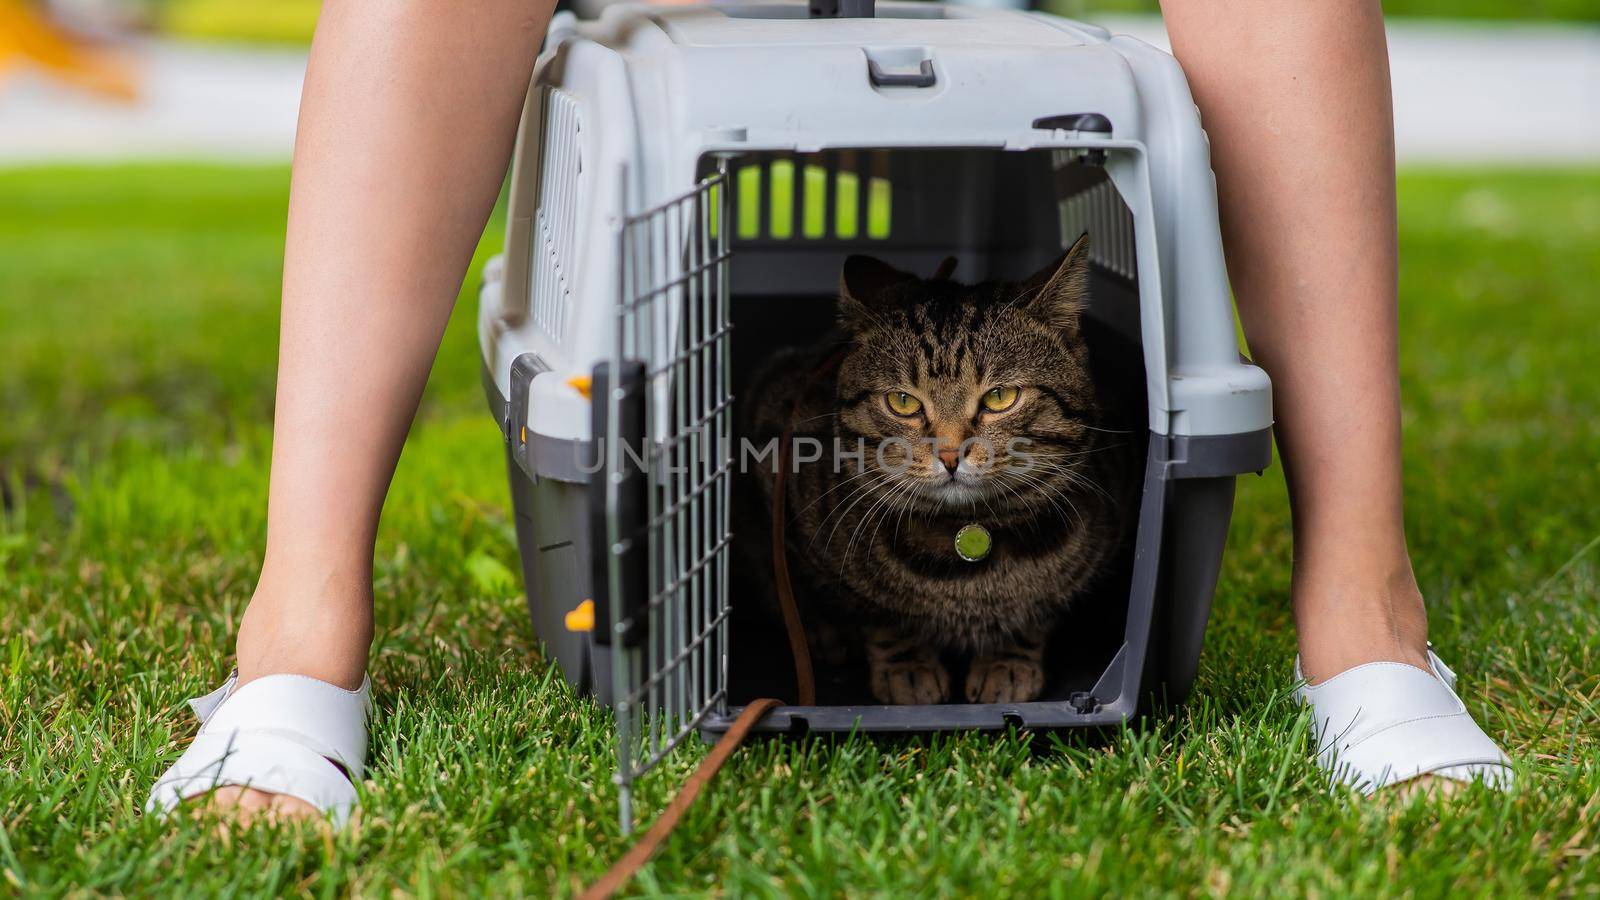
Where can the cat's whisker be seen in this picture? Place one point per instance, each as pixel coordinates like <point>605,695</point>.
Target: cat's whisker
<point>1071,474</point>
<point>1071,477</point>
<point>1077,480</point>
<point>905,507</point>
<point>816,418</point>
<point>842,511</point>
<point>1022,503</point>
<point>1047,491</point>
<point>1081,480</point>
<point>841,506</point>
<point>1071,454</point>
<point>861,526</point>
<point>1067,516</point>
<point>905,498</point>
<point>818,499</point>
<point>895,499</point>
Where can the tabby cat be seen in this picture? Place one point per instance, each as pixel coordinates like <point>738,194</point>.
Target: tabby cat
<point>969,404</point>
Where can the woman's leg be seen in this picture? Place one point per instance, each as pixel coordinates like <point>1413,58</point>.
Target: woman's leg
<point>406,125</point>
<point>1295,99</point>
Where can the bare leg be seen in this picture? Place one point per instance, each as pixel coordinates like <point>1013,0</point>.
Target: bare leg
<point>1295,99</point>
<point>406,125</point>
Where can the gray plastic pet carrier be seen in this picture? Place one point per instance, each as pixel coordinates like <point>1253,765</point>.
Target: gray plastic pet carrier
<point>684,170</point>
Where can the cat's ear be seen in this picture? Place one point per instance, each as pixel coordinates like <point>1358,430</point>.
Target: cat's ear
<point>865,285</point>
<point>1058,293</point>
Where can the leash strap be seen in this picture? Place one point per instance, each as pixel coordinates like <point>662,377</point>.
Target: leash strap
<point>640,853</point>
<point>799,648</point>
<point>805,680</point>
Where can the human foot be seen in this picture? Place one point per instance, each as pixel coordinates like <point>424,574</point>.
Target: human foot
<point>279,747</point>
<point>324,642</point>
<point>244,806</point>
<point>1386,715</point>
<point>1389,724</point>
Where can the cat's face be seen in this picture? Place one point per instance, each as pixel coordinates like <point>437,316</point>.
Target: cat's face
<point>968,397</point>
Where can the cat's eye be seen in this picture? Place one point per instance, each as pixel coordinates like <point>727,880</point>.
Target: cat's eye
<point>902,403</point>
<point>1000,399</point>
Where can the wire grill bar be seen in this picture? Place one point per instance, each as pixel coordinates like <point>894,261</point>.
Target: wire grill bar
<point>683,654</point>
<point>696,347</point>
<point>676,283</point>
<point>676,583</point>
<point>672,316</point>
<point>717,700</point>
<point>677,505</point>
<point>690,429</point>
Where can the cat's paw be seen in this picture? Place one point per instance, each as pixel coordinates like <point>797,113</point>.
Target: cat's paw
<point>1004,680</point>
<point>919,681</point>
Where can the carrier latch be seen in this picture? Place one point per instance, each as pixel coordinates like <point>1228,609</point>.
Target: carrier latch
<point>515,423</point>
<point>1094,123</point>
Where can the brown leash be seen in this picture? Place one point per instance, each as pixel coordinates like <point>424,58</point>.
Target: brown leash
<point>640,853</point>
<point>799,647</point>
<point>805,679</point>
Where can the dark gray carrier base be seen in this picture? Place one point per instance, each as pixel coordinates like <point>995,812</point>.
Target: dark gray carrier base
<point>1183,523</point>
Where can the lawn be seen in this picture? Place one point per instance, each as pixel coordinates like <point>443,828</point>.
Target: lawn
<point>137,344</point>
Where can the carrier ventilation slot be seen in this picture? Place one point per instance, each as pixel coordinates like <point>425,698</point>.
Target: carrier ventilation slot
<point>814,196</point>
<point>555,221</point>
<point>1099,210</point>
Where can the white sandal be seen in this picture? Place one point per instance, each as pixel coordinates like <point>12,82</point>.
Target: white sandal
<point>1387,722</point>
<point>285,734</point>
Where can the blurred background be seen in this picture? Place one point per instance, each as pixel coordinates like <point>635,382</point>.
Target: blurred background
<point>1474,81</point>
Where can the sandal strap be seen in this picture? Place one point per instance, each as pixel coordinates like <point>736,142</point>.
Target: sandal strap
<point>324,717</point>
<point>204,706</point>
<point>266,762</point>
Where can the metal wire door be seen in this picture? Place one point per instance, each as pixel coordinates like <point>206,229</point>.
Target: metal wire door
<point>667,495</point>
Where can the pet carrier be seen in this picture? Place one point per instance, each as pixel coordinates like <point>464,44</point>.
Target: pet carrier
<point>680,170</point>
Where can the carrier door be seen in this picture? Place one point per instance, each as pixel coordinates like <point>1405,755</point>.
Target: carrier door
<point>668,453</point>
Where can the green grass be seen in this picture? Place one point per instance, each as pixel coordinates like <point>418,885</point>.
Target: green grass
<point>1486,10</point>
<point>137,341</point>
<point>248,21</point>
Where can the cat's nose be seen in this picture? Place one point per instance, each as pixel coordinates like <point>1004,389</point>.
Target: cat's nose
<point>951,457</point>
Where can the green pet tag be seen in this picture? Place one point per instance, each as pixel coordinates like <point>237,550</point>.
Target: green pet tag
<point>973,542</point>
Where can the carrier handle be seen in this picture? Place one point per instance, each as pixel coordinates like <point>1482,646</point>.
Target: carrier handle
<point>921,78</point>
<point>843,9</point>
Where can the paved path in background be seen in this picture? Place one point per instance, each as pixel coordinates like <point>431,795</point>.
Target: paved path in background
<point>1466,92</point>
<point>200,102</point>
<point>1463,93</point>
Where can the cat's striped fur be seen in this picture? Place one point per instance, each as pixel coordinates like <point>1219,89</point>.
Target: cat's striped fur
<point>1053,476</point>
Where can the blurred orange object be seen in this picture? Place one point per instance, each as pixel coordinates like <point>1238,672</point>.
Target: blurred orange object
<point>27,37</point>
